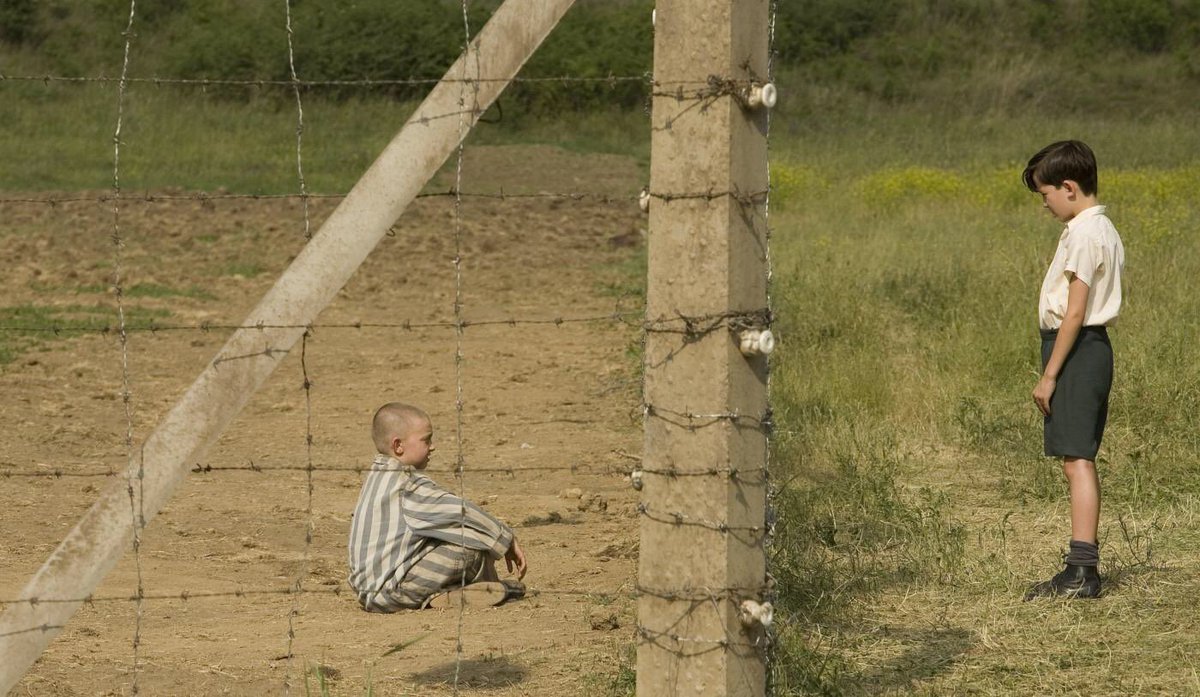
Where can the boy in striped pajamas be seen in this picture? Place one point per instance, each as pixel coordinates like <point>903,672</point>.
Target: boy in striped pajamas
<point>414,544</point>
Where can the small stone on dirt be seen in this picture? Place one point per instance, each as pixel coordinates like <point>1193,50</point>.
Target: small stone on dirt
<point>627,549</point>
<point>570,493</point>
<point>549,518</point>
<point>594,503</point>
<point>605,619</point>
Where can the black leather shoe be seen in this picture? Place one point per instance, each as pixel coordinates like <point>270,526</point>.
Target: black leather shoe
<point>1072,582</point>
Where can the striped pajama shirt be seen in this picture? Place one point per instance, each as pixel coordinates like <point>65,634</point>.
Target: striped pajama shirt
<point>410,538</point>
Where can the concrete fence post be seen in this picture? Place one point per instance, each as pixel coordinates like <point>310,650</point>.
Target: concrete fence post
<point>703,483</point>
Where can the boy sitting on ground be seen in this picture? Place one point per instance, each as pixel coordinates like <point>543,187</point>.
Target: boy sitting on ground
<point>412,543</point>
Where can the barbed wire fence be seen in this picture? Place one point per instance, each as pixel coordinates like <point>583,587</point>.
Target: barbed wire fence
<point>626,314</point>
<point>136,512</point>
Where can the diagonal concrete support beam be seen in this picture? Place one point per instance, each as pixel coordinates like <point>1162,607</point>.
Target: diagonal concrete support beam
<point>93,547</point>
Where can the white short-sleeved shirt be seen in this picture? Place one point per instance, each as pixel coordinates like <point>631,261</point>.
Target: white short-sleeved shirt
<point>1090,249</point>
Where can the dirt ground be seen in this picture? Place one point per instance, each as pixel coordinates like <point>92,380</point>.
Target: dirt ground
<point>556,403</point>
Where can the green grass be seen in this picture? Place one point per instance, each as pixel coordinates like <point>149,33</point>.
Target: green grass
<point>183,137</point>
<point>170,134</point>
<point>27,327</point>
<point>918,505</point>
<point>624,278</point>
<point>138,290</point>
<point>245,269</point>
<point>320,680</point>
<point>611,131</point>
<point>620,682</point>
<point>155,290</point>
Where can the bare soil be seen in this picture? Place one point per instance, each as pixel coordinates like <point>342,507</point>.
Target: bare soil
<point>546,408</point>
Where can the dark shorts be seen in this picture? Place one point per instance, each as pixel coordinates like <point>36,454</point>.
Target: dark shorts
<point>1079,406</point>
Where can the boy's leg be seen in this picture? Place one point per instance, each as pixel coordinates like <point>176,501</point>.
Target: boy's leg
<point>465,577</point>
<point>441,568</point>
<point>488,572</point>
<point>486,585</point>
<point>513,589</point>
<point>1080,578</point>
<point>1084,487</point>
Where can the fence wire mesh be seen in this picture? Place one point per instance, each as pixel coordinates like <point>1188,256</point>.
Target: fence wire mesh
<point>616,469</point>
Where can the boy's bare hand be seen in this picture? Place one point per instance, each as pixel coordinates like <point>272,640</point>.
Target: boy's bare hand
<point>514,559</point>
<point>1043,392</point>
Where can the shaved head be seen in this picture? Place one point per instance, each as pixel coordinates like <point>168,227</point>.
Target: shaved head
<point>395,420</point>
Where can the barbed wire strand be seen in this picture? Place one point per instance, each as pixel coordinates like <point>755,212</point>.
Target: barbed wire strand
<point>463,128</point>
<point>308,438</point>
<point>309,520</point>
<point>621,316</point>
<point>302,572</point>
<point>552,646</point>
<point>30,630</point>
<point>723,472</point>
<point>641,633</point>
<point>693,326</point>
<point>291,54</point>
<point>703,87</point>
<point>206,198</point>
<point>733,594</point>
<point>136,510</point>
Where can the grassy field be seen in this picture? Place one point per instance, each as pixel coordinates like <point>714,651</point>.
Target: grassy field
<point>916,506</point>
<point>173,137</point>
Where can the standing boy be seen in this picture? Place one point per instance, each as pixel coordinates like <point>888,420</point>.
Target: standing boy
<point>412,543</point>
<point>1080,298</point>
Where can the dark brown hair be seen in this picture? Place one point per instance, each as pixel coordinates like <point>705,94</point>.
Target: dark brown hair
<point>1058,162</point>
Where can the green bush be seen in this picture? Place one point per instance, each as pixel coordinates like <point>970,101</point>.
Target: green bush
<point>593,41</point>
<point>1142,25</point>
<point>382,40</point>
<point>18,20</point>
<point>944,54</point>
<point>807,30</point>
<point>404,46</point>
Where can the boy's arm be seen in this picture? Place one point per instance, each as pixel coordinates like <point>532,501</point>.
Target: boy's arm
<point>1077,297</point>
<point>431,511</point>
<point>514,559</point>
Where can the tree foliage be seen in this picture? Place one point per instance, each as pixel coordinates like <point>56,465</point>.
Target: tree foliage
<point>879,48</point>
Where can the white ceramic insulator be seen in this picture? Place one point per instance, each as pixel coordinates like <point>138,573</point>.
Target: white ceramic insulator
<point>653,17</point>
<point>757,342</point>
<point>764,95</point>
<point>635,479</point>
<point>766,342</point>
<point>644,200</point>
<point>754,613</point>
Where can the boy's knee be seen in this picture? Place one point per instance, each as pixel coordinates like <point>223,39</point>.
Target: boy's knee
<point>1077,466</point>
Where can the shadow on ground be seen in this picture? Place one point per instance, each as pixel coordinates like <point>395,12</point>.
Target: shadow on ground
<point>927,654</point>
<point>480,673</point>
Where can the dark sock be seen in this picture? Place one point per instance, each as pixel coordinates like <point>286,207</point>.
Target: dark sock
<point>1084,554</point>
